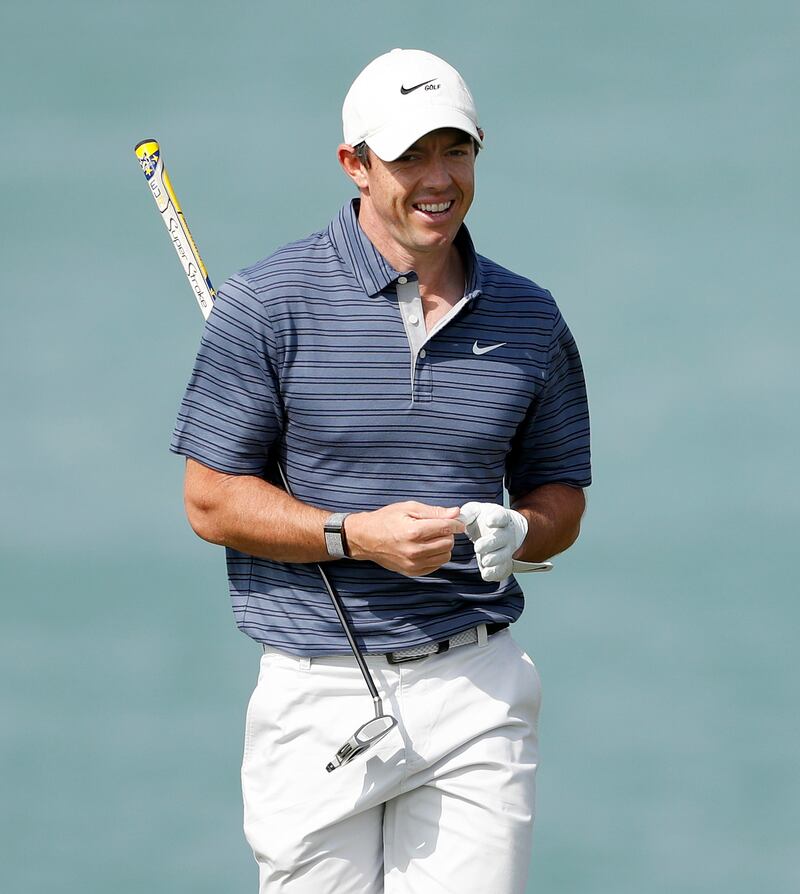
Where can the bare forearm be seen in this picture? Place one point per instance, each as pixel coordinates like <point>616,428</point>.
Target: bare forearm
<point>249,514</point>
<point>554,514</point>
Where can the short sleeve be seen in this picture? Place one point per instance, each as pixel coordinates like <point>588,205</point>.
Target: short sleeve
<point>552,443</point>
<point>231,413</point>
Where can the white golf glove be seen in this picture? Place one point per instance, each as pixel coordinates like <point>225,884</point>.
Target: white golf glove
<point>497,533</point>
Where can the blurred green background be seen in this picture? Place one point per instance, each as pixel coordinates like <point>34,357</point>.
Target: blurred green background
<point>641,163</point>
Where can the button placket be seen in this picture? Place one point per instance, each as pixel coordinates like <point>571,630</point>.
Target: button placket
<point>423,386</point>
<point>413,315</point>
<point>411,311</point>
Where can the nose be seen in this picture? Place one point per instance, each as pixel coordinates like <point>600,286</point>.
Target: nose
<point>437,173</point>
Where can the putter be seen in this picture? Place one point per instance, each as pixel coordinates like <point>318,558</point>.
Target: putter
<point>148,153</point>
<point>375,729</point>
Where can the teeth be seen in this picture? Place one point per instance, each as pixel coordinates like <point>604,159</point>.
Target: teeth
<point>442,206</point>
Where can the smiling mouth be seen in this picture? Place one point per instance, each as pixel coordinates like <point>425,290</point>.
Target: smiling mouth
<point>434,207</point>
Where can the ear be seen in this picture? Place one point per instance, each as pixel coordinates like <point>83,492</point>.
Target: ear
<point>351,165</point>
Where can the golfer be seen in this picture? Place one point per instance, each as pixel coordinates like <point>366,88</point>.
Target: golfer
<point>400,380</point>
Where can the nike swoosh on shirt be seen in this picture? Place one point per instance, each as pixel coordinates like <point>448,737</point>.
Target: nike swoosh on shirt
<point>478,350</point>
<point>406,90</point>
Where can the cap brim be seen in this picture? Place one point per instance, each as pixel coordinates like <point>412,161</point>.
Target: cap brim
<point>391,141</point>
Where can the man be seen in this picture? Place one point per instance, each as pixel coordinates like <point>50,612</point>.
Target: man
<point>399,379</point>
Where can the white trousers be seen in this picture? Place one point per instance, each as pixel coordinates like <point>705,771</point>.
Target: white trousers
<point>443,803</point>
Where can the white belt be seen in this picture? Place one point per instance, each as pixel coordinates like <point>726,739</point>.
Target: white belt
<point>477,634</point>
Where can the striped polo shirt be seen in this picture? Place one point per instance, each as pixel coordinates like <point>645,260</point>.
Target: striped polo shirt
<point>318,356</point>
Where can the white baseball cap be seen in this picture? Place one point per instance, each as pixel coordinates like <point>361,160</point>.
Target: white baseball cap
<point>401,96</point>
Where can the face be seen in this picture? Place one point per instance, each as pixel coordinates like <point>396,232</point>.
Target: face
<point>416,204</point>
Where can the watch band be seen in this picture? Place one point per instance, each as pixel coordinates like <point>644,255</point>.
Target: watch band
<point>335,539</point>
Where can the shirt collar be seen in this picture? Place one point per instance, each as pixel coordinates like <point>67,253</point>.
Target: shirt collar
<point>373,272</point>
<point>472,269</point>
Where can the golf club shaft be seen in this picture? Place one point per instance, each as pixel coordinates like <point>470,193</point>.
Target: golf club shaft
<point>337,604</point>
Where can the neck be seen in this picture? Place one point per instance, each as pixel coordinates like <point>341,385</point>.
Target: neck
<point>439,268</point>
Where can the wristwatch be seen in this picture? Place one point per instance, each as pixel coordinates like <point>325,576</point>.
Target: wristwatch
<point>335,539</point>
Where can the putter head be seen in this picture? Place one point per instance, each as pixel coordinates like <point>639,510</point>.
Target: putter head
<point>362,739</point>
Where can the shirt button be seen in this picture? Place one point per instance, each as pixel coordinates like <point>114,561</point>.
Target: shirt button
<point>402,279</point>
<point>423,354</point>
<point>413,319</point>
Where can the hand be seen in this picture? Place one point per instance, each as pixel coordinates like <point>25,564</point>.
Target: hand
<point>411,538</point>
<point>496,533</point>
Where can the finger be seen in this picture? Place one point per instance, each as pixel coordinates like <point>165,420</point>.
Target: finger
<point>469,512</point>
<point>436,547</point>
<point>422,510</point>
<point>495,559</point>
<point>494,539</point>
<point>473,531</point>
<point>496,573</point>
<point>429,529</point>
<point>496,518</point>
<point>495,567</point>
<point>427,563</point>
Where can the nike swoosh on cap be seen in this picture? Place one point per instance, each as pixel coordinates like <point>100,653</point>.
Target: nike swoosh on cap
<point>479,350</point>
<point>407,90</point>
